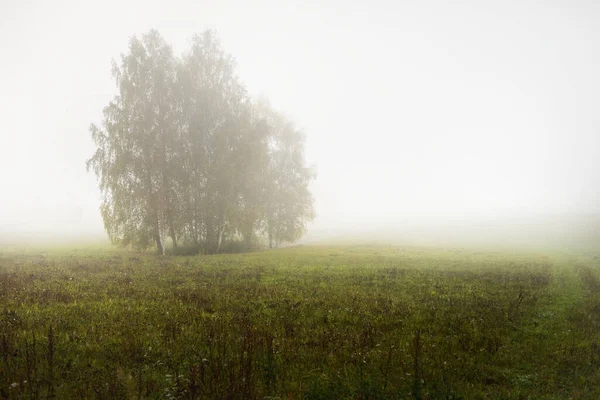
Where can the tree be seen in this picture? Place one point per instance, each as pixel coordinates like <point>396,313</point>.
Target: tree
<point>135,145</point>
<point>253,180</point>
<point>214,104</point>
<point>183,153</point>
<point>288,201</point>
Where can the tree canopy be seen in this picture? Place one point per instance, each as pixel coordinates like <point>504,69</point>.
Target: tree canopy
<point>184,153</point>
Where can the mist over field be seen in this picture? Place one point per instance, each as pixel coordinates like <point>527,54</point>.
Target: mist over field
<point>417,115</point>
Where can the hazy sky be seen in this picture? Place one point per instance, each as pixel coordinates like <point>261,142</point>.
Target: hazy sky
<point>410,108</point>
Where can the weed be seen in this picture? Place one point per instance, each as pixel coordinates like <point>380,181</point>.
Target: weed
<point>307,322</point>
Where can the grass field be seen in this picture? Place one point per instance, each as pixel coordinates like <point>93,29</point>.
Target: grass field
<point>309,322</point>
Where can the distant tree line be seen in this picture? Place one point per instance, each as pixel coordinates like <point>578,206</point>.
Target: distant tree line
<point>183,154</point>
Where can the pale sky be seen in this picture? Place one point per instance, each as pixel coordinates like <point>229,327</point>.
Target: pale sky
<point>410,108</point>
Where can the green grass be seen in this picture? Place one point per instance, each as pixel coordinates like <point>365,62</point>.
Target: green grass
<point>306,322</point>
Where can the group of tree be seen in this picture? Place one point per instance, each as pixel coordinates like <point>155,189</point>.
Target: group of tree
<point>184,155</point>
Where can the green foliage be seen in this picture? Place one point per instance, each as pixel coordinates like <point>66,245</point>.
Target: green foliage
<point>304,322</point>
<point>183,153</point>
<point>185,250</point>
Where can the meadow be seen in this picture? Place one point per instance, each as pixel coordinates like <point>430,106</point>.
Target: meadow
<point>306,322</point>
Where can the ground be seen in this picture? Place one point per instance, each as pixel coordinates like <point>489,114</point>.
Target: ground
<point>316,322</point>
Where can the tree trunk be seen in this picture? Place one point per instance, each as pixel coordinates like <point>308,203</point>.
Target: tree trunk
<point>249,229</point>
<point>222,237</point>
<point>248,240</point>
<point>159,245</point>
<point>154,216</point>
<point>212,238</point>
<point>173,236</point>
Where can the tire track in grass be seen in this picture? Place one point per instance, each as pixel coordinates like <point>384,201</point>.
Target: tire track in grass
<point>558,328</point>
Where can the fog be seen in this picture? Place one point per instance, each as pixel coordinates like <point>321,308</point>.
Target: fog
<point>418,115</point>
